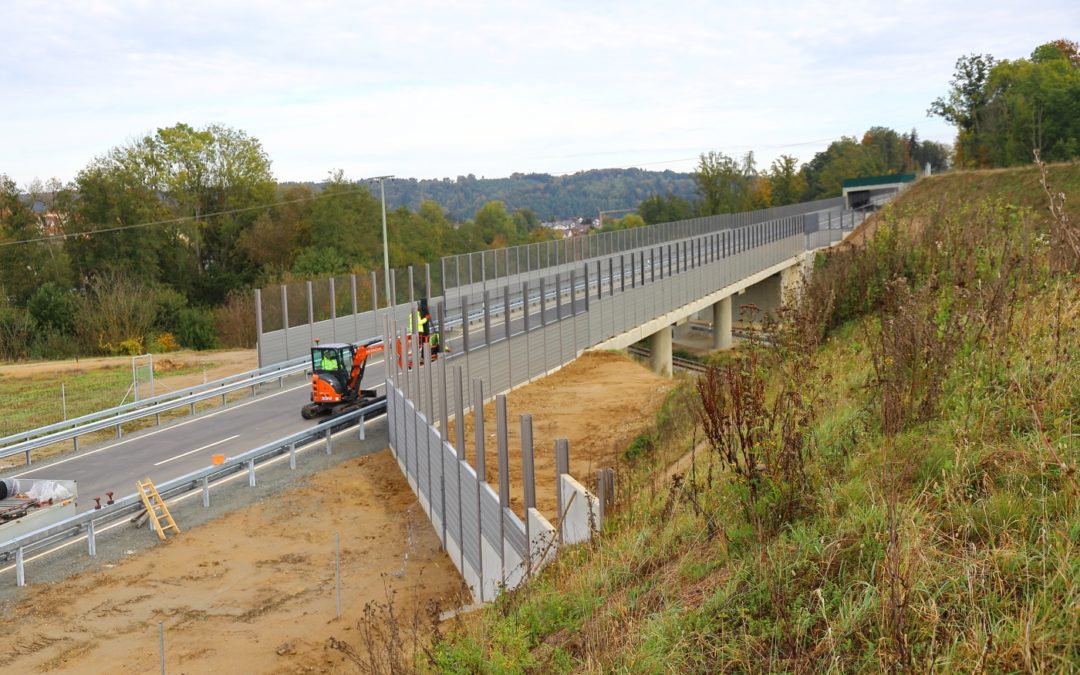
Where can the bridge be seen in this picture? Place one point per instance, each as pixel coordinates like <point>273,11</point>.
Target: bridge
<point>509,316</point>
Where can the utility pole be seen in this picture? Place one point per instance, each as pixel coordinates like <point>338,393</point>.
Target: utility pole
<point>385,246</point>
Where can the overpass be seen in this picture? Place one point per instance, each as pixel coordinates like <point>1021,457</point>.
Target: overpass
<point>511,315</point>
<point>522,285</point>
<point>524,326</point>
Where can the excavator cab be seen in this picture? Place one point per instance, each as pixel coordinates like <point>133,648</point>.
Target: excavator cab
<point>336,372</point>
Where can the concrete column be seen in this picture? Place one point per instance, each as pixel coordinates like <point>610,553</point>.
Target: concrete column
<point>660,345</point>
<point>791,281</point>
<point>721,324</point>
<point>683,329</point>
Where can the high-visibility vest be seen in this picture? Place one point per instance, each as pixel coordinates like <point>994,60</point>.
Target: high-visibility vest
<point>421,321</point>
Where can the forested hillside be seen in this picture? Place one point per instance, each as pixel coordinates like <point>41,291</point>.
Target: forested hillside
<point>159,241</point>
<point>581,194</point>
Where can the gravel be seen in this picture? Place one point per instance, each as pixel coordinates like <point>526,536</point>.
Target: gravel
<point>126,539</point>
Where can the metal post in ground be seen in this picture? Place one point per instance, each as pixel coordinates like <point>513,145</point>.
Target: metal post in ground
<point>91,539</point>
<point>562,466</point>
<point>528,481</point>
<point>161,644</point>
<point>251,472</point>
<point>337,571</point>
<point>206,492</point>
<point>20,569</point>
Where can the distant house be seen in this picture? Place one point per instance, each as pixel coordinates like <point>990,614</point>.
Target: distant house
<point>49,221</point>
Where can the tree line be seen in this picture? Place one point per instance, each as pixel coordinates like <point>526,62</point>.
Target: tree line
<point>156,244</point>
<point>1004,110</point>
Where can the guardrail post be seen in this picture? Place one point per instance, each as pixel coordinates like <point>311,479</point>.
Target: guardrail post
<point>465,322</point>
<point>360,433</point>
<point>157,416</point>
<point>91,539</point>
<point>206,492</point>
<point>75,440</point>
<point>292,455</point>
<point>543,303</point>
<point>27,453</point>
<point>20,571</point>
<point>251,472</point>
<point>329,442</point>
<point>119,432</point>
<point>193,408</point>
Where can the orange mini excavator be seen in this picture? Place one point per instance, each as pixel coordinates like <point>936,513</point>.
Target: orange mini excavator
<point>336,372</point>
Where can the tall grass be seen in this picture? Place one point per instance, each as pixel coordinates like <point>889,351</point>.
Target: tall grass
<point>890,486</point>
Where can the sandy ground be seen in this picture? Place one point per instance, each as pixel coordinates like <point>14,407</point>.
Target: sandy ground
<point>253,591</point>
<point>600,402</point>
<point>226,362</point>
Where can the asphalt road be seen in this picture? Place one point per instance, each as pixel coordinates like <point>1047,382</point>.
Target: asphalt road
<point>180,447</point>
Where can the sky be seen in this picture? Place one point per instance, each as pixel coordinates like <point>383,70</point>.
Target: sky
<point>446,88</point>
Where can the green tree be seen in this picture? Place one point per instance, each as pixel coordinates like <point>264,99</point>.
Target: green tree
<point>721,183</point>
<point>347,219</point>
<point>788,183</point>
<point>26,262</point>
<point>111,202</point>
<point>53,308</point>
<point>495,225</point>
<point>205,174</point>
<point>962,105</point>
<point>278,234</point>
<point>1033,105</point>
<point>665,209</point>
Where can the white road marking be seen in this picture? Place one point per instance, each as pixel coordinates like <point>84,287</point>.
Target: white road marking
<point>188,495</point>
<point>139,437</point>
<point>192,452</point>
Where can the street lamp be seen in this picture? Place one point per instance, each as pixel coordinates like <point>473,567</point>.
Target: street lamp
<point>385,246</point>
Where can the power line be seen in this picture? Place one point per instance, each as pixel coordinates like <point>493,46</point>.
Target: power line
<point>169,221</point>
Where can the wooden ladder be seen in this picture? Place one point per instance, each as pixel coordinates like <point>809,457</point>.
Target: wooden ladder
<point>155,508</point>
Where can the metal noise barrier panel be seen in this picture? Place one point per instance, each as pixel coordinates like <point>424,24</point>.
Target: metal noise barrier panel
<point>540,325</point>
<point>289,318</point>
<point>485,539</point>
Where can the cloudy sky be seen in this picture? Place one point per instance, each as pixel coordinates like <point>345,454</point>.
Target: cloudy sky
<point>445,88</point>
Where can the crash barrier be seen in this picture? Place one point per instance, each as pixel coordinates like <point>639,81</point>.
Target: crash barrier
<point>290,317</point>
<point>492,546</point>
<point>27,442</point>
<point>90,524</point>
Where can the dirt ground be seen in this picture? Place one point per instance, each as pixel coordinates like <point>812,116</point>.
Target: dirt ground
<point>253,591</point>
<point>226,362</point>
<point>600,402</point>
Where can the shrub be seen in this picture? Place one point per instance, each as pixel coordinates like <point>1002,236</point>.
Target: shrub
<point>53,308</point>
<point>195,328</point>
<point>163,342</point>
<point>168,303</point>
<point>17,328</point>
<point>115,310</point>
<point>235,320</point>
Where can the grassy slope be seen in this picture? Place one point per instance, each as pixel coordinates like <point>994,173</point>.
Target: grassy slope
<point>934,530</point>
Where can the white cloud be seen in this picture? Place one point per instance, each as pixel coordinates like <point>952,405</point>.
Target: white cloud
<point>431,89</point>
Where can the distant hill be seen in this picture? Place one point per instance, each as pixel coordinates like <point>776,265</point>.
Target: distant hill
<point>550,197</point>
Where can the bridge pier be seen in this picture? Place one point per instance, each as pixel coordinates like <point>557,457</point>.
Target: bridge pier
<point>683,328</point>
<point>721,324</point>
<point>660,345</point>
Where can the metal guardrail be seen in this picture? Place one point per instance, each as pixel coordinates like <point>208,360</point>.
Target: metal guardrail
<point>89,521</point>
<point>120,415</point>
